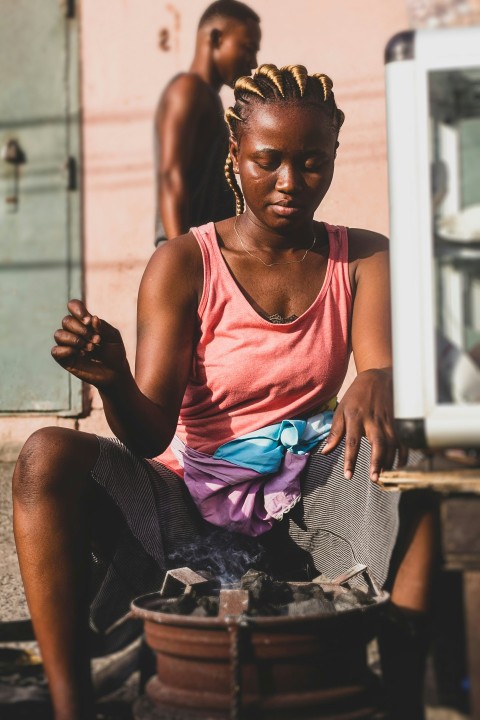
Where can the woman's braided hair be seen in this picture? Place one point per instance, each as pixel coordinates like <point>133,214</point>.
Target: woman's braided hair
<point>269,84</point>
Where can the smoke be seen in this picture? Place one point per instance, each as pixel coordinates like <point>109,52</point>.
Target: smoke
<point>224,554</point>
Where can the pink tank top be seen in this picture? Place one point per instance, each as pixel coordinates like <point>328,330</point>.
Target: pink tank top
<point>248,372</point>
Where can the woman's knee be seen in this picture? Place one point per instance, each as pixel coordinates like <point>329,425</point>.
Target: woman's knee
<point>50,458</point>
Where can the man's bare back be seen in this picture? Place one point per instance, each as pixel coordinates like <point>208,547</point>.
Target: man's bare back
<point>191,138</point>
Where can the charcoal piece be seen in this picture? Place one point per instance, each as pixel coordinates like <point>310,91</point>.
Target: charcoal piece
<point>262,586</point>
<point>307,592</point>
<point>269,597</point>
<point>352,599</point>
<point>312,596</point>
<point>253,580</point>
<point>209,605</point>
<point>266,594</point>
<point>183,605</point>
<point>313,606</point>
<point>264,610</point>
<point>199,611</point>
<point>281,593</point>
<point>258,585</point>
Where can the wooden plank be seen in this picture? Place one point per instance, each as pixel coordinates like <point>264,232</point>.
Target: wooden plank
<point>460,522</point>
<point>459,480</point>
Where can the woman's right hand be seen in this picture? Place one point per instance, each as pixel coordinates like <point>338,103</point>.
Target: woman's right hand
<point>90,348</point>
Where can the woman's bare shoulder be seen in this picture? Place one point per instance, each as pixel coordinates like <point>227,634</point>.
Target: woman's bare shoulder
<point>182,249</point>
<point>365,243</point>
<point>176,265</point>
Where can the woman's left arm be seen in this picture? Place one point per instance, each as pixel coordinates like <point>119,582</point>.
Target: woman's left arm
<point>366,409</point>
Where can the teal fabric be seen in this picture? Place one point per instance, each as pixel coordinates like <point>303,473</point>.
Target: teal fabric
<point>263,450</point>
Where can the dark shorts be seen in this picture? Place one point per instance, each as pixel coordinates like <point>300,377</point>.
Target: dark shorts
<point>153,526</point>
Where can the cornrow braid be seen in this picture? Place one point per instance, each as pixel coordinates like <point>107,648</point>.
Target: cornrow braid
<point>268,84</point>
<point>326,83</point>
<point>274,75</point>
<point>234,186</point>
<point>327,86</point>
<point>299,74</point>
<point>248,84</point>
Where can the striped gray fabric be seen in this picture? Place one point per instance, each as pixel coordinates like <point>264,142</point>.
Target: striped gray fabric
<point>345,522</point>
<point>336,524</point>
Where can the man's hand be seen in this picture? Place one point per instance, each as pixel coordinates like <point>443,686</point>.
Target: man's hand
<point>366,410</point>
<point>90,348</point>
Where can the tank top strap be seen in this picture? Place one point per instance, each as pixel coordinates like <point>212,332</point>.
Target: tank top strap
<point>206,237</point>
<point>338,239</point>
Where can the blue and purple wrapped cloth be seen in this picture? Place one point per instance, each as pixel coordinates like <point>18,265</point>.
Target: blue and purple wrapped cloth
<point>251,481</point>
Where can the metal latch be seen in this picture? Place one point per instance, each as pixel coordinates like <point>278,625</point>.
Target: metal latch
<point>13,154</point>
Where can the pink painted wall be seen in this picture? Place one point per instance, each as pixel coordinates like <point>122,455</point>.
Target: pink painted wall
<point>123,72</point>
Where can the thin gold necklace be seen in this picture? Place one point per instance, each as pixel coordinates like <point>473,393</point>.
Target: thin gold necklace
<point>285,262</point>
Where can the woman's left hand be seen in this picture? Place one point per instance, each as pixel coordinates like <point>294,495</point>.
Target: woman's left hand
<point>366,409</point>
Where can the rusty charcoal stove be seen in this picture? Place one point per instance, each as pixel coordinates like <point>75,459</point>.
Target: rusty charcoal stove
<point>263,650</point>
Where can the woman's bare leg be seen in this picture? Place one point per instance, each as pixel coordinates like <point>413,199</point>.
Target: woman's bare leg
<point>52,491</point>
<point>412,585</point>
<point>404,632</point>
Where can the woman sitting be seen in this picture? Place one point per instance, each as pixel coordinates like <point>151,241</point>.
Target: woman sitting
<point>245,329</point>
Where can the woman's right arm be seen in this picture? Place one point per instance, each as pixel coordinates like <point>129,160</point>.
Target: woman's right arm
<point>141,411</point>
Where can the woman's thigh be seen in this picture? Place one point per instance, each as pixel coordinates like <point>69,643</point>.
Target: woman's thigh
<point>142,517</point>
<point>342,522</point>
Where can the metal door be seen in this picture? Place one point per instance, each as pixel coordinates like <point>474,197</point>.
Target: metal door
<point>40,262</point>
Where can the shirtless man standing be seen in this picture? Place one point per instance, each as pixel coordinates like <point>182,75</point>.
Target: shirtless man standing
<point>191,139</point>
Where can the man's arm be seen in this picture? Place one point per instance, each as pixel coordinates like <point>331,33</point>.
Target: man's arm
<point>177,126</point>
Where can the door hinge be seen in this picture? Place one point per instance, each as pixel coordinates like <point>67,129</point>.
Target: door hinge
<point>69,8</point>
<point>72,179</point>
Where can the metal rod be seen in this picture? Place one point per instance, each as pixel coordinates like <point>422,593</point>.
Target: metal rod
<point>236,672</point>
